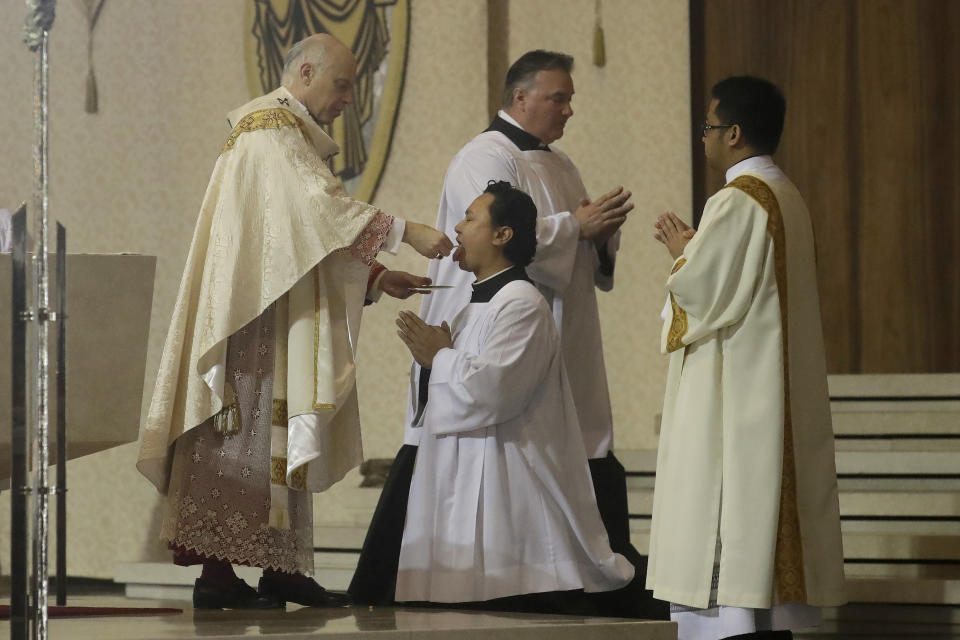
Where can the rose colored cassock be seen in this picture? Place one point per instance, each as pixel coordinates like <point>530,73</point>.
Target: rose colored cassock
<point>746,478</point>
<point>255,403</point>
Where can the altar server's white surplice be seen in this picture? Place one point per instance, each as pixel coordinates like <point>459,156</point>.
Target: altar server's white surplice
<point>501,501</point>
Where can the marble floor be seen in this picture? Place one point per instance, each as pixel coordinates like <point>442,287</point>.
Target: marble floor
<point>356,623</point>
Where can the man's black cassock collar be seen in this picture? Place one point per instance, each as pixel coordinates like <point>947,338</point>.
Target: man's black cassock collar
<point>484,291</point>
<point>524,141</point>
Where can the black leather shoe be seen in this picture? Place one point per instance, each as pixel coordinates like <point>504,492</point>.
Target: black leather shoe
<point>302,590</point>
<point>239,596</point>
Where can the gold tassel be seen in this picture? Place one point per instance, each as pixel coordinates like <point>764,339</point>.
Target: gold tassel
<point>599,50</point>
<point>91,103</point>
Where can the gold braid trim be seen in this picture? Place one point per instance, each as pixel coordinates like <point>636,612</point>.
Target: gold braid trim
<point>263,119</point>
<point>789,580</point>
<point>678,324</point>
<point>278,474</point>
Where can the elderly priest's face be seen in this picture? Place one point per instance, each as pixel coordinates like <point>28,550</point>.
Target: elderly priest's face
<point>331,88</point>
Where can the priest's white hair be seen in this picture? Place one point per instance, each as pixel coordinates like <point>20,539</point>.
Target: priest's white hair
<point>307,50</point>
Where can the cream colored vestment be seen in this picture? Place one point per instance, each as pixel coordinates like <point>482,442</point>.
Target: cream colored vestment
<point>746,445</point>
<point>274,226</point>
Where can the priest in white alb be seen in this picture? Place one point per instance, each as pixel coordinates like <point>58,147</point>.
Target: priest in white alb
<point>745,538</point>
<point>255,404</point>
<point>501,513</point>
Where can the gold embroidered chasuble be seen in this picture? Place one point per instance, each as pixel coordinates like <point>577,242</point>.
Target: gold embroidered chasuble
<point>274,226</point>
<point>746,445</point>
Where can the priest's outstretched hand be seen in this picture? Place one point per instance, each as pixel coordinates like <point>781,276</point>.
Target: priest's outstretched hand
<point>400,284</point>
<point>423,340</point>
<point>426,240</point>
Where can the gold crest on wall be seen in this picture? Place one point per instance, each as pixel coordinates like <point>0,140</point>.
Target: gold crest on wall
<point>376,31</point>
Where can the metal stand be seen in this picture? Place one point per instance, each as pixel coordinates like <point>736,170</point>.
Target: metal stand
<point>40,16</point>
<point>61,416</point>
<point>19,612</point>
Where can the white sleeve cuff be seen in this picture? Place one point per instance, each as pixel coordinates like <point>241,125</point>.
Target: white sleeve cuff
<point>395,237</point>
<point>375,292</point>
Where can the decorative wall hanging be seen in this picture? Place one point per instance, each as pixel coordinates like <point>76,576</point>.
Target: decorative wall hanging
<point>377,33</point>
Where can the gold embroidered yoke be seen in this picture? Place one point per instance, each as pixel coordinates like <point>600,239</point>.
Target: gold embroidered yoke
<point>746,445</point>
<point>274,219</point>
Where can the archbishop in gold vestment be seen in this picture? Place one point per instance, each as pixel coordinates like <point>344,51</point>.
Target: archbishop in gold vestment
<point>255,400</point>
<point>746,449</point>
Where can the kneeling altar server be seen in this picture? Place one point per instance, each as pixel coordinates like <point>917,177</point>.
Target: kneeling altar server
<point>501,501</point>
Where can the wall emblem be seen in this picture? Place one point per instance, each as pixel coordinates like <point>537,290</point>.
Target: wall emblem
<point>377,32</point>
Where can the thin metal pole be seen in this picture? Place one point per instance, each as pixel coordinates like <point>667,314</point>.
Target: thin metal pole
<point>61,415</point>
<point>40,16</point>
<point>19,618</point>
<point>42,319</point>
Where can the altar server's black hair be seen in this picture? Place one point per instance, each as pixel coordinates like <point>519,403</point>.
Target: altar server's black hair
<point>513,208</point>
<point>756,105</point>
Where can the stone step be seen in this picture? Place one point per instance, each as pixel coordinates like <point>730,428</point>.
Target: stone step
<point>905,570</point>
<point>902,504</point>
<point>885,613</point>
<point>885,463</point>
<point>853,525</point>
<point>850,458</point>
<point>857,546</point>
<point>904,590</point>
<point>334,571</point>
<point>896,385</point>
<point>851,482</point>
<point>887,443</point>
<point>867,546</point>
<point>851,420</point>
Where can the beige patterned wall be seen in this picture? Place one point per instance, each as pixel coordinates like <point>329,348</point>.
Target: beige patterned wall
<point>132,177</point>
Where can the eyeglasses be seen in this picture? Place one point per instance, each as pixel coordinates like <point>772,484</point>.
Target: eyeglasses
<point>707,127</point>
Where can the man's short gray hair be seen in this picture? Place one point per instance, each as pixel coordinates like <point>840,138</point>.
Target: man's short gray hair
<point>524,70</point>
<point>299,53</point>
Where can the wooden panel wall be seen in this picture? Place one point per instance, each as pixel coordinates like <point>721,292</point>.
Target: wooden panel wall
<point>872,140</point>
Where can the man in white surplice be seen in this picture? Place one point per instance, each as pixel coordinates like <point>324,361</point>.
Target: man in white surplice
<point>577,243</point>
<point>501,502</point>
<point>745,539</point>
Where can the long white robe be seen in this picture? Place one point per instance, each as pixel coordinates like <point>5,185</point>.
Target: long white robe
<point>746,445</point>
<point>501,501</point>
<point>275,226</point>
<point>565,269</point>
